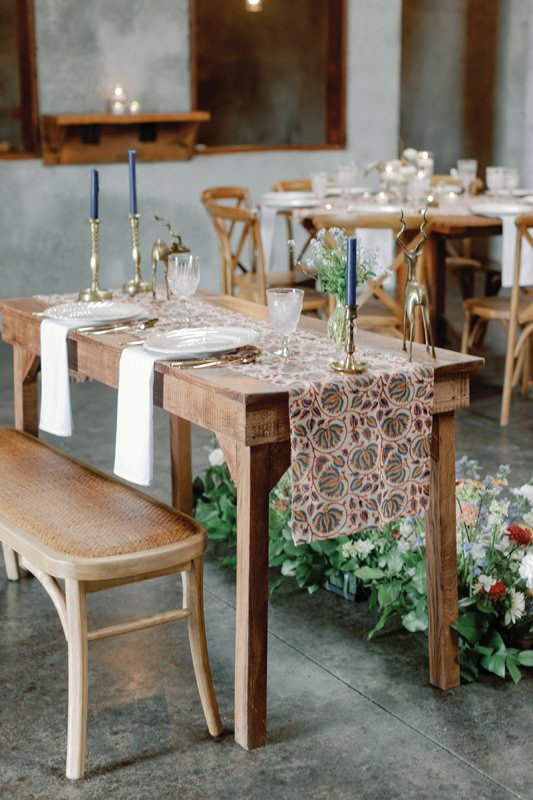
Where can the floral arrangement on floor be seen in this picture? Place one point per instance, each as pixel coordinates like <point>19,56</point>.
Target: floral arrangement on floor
<point>387,566</point>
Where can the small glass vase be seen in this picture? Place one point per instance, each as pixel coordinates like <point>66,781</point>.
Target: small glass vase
<point>337,330</point>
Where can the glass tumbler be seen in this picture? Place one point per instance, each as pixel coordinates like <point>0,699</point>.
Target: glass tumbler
<point>284,308</point>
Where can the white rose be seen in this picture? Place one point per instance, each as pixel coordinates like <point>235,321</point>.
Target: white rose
<point>364,546</point>
<point>525,570</point>
<point>216,457</point>
<point>526,491</point>
<point>410,154</point>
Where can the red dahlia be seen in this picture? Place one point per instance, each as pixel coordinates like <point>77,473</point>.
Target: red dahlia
<point>519,534</point>
<point>497,590</point>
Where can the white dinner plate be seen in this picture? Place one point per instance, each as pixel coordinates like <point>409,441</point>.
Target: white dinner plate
<point>190,342</point>
<point>98,312</point>
<point>521,192</point>
<point>289,199</point>
<point>499,209</point>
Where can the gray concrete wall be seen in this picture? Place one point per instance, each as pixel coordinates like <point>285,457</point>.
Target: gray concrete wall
<point>85,48</point>
<point>44,233</point>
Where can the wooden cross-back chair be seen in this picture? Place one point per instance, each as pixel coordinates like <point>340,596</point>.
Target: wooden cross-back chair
<point>515,313</point>
<point>379,309</point>
<point>233,197</point>
<point>243,265</point>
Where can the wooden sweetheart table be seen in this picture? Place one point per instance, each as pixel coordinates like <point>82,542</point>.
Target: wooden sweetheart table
<point>250,419</point>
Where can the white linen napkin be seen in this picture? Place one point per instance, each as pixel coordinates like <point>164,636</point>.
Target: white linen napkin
<point>379,239</point>
<point>56,413</point>
<point>268,223</point>
<point>134,454</point>
<point>508,254</point>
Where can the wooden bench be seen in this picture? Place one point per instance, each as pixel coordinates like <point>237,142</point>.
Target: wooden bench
<point>66,521</point>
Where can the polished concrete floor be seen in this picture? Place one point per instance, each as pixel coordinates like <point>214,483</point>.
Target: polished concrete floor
<point>348,718</point>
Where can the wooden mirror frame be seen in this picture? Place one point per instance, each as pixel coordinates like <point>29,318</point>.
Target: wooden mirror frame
<point>29,103</point>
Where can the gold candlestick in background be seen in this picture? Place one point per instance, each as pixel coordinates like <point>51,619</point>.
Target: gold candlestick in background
<point>137,284</point>
<point>350,365</point>
<point>94,293</point>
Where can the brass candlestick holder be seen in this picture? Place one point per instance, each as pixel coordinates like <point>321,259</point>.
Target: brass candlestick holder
<point>137,284</point>
<point>94,293</point>
<point>349,365</point>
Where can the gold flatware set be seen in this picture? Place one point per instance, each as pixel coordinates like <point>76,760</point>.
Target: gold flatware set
<point>245,354</point>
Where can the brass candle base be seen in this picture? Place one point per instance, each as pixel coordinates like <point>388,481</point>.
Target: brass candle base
<point>94,293</point>
<point>349,365</point>
<point>136,285</point>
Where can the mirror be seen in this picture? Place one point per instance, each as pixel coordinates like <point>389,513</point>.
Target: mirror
<point>271,78</point>
<point>19,112</point>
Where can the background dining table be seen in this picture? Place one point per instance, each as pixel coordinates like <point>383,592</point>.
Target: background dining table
<point>251,421</point>
<point>451,219</point>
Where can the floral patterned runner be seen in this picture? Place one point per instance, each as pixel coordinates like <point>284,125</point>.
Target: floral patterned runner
<point>359,444</point>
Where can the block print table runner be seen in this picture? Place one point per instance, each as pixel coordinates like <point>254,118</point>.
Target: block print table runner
<point>359,444</point>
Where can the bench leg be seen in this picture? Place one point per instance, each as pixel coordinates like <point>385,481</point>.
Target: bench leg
<point>193,600</point>
<point>77,677</point>
<point>11,563</point>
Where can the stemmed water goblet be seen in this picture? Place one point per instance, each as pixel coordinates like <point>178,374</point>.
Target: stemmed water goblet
<point>183,279</point>
<point>284,308</point>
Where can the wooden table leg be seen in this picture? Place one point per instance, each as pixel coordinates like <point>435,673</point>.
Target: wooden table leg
<point>441,557</point>
<point>25,396</point>
<point>26,410</point>
<point>181,464</point>
<point>253,484</point>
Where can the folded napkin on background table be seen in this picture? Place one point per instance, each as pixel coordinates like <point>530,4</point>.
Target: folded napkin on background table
<point>134,446</point>
<point>56,414</point>
<point>381,239</point>
<point>509,252</point>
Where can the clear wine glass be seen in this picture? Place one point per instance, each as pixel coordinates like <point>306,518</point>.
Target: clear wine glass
<point>284,308</point>
<point>183,279</point>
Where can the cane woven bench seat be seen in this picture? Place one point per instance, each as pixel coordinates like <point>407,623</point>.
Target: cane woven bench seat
<point>78,511</point>
<point>60,519</point>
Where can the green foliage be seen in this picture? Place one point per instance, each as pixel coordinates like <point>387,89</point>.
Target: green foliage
<point>495,563</point>
<point>327,262</point>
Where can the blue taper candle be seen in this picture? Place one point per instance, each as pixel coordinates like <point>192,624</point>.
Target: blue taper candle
<point>351,271</point>
<point>132,156</point>
<point>94,193</point>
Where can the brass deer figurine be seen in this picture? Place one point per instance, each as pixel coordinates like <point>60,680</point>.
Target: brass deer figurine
<point>161,251</point>
<point>414,293</point>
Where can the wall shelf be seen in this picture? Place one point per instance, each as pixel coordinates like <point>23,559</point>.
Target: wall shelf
<point>106,138</point>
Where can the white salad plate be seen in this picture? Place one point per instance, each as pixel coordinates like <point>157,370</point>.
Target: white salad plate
<point>289,199</point>
<point>98,312</point>
<point>190,342</point>
<point>499,209</point>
